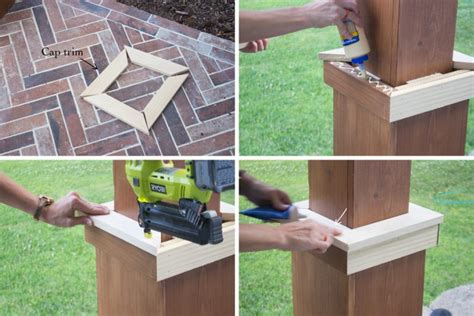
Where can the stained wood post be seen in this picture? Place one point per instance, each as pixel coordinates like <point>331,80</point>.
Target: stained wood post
<point>126,275</point>
<point>371,191</point>
<point>409,39</point>
<point>5,6</point>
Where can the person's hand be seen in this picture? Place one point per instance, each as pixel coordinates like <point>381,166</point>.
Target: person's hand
<point>263,194</point>
<point>61,213</point>
<point>255,46</point>
<point>322,13</point>
<point>306,235</point>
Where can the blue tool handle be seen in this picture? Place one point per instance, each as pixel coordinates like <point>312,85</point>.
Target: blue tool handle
<point>267,213</point>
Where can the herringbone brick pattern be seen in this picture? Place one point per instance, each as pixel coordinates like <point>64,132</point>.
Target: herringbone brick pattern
<point>40,109</point>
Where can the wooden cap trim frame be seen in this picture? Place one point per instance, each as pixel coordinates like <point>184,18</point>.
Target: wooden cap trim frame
<point>175,256</point>
<point>384,241</point>
<point>397,103</point>
<point>141,120</point>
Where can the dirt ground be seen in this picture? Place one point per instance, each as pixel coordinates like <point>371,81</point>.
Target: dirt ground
<point>211,16</point>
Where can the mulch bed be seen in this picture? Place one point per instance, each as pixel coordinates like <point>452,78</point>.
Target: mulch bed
<point>211,16</point>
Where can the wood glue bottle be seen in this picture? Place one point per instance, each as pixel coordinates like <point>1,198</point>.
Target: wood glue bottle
<point>356,48</point>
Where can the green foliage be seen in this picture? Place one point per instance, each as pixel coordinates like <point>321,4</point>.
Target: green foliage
<point>285,108</point>
<point>444,186</point>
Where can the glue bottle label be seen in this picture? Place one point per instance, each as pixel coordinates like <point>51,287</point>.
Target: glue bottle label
<point>353,31</point>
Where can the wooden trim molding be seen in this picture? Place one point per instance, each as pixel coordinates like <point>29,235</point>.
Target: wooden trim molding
<point>460,61</point>
<point>227,212</point>
<point>384,241</point>
<point>397,103</point>
<point>175,256</point>
<point>141,120</point>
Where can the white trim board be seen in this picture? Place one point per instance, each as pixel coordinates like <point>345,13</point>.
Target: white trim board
<point>413,99</point>
<point>178,256</point>
<point>175,256</point>
<point>417,96</point>
<point>336,54</point>
<point>127,229</point>
<point>383,241</point>
<point>227,211</point>
<point>141,120</point>
<point>119,110</point>
<point>460,61</point>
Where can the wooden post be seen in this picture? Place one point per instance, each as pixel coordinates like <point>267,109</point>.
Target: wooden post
<point>5,6</point>
<point>408,40</point>
<point>371,191</point>
<point>126,275</point>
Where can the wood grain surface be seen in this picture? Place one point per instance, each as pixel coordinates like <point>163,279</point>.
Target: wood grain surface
<point>125,200</point>
<point>357,90</point>
<point>328,183</point>
<point>126,283</point>
<point>380,190</point>
<point>441,132</point>
<point>372,191</point>
<point>358,131</point>
<point>391,289</point>
<point>409,38</point>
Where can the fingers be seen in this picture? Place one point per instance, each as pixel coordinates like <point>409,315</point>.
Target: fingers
<point>348,4</point>
<point>348,11</point>
<point>343,29</point>
<point>354,18</point>
<point>330,231</point>
<point>324,237</point>
<point>284,197</point>
<point>79,204</point>
<point>278,204</point>
<point>256,46</point>
<point>251,47</point>
<point>83,220</point>
<point>336,232</point>
<point>280,200</point>
<point>322,247</point>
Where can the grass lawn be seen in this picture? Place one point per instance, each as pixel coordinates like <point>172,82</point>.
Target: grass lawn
<point>444,186</point>
<point>283,98</point>
<point>47,270</point>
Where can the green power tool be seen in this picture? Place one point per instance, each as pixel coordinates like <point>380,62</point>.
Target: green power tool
<point>173,200</point>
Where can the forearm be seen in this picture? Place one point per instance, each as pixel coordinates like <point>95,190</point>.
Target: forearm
<point>258,237</point>
<point>246,183</point>
<point>16,196</point>
<point>255,25</point>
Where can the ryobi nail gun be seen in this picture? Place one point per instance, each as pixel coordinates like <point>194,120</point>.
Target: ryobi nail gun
<point>173,201</point>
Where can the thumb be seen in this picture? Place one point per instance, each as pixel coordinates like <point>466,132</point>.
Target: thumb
<point>278,204</point>
<point>336,232</point>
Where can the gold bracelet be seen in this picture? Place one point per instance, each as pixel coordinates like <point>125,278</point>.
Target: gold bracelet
<point>43,201</point>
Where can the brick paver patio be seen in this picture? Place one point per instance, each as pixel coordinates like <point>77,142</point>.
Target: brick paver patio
<point>40,109</point>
